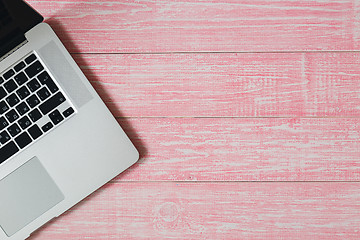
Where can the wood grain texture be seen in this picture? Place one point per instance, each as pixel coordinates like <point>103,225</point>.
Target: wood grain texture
<point>241,149</point>
<point>157,210</point>
<point>227,85</point>
<point>231,104</point>
<point>204,26</point>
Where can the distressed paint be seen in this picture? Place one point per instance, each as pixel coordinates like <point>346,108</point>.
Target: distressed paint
<point>227,84</point>
<point>274,101</point>
<point>213,210</point>
<point>204,26</point>
<point>244,149</point>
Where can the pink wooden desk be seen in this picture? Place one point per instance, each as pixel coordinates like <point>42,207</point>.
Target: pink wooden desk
<point>245,112</point>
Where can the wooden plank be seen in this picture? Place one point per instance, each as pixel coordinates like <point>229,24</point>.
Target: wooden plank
<point>157,210</point>
<point>227,85</point>
<point>244,149</point>
<point>210,26</point>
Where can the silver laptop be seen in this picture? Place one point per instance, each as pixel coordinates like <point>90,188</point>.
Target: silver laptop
<point>58,141</point>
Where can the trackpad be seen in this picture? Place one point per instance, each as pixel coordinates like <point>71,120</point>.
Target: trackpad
<point>26,194</point>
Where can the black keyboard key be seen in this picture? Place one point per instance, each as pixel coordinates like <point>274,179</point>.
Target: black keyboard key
<point>33,85</point>
<point>35,115</point>
<point>47,127</point>
<point>10,86</point>
<point>14,130</point>
<point>24,122</point>
<point>68,112</point>
<point>12,100</point>
<point>30,58</point>
<point>9,74</point>
<point>35,132</point>
<point>7,151</point>
<point>23,92</point>
<point>4,137</point>
<point>43,93</point>
<point>3,123</point>
<point>33,101</point>
<point>34,69</point>
<point>45,78</point>
<point>3,107</point>
<point>19,66</point>
<point>56,117</point>
<point>1,80</point>
<point>23,140</point>
<point>2,93</point>
<point>12,116</point>
<point>52,86</point>
<point>21,78</point>
<point>52,103</point>
<point>22,108</point>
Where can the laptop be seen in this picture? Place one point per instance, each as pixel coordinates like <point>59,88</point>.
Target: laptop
<point>58,141</point>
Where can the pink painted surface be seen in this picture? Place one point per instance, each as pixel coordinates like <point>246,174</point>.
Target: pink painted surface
<point>207,25</point>
<point>245,113</point>
<point>213,210</point>
<point>244,149</point>
<point>227,84</point>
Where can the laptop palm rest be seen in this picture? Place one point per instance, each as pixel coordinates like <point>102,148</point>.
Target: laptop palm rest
<point>30,192</point>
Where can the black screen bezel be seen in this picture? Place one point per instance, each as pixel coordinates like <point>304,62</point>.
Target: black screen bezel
<point>23,18</point>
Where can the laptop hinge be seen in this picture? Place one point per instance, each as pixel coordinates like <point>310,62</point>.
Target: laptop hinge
<point>17,18</point>
<point>16,42</point>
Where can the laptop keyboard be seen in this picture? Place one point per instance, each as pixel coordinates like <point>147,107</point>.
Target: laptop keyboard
<point>31,105</point>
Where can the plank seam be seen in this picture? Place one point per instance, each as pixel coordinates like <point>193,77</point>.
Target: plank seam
<point>229,117</point>
<point>236,181</point>
<point>220,52</point>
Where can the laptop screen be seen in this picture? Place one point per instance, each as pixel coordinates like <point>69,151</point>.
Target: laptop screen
<point>16,18</point>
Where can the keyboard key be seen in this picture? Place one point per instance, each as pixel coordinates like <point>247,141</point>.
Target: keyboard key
<point>9,74</point>
<point>3,123</point>
<point>52,103</point>
<point>12,100</point>
<point>34,69</point>
<point>4,137</point>
<point>7,151</point>
<point>35,132</point>
<point>23,92</point>
<point>22,108</point>
<point>33,85</point>
<point>21,78</point>
<point>1,80</point>
<point>33,101</point>
<point>30,58</point>
<point>10,86</point>
<point>23,140</point>
<point>68,112</point>
<point>3,107</point>
<point>47,127</point>
<point>2,93</point>
<point>35,115</point>
<point>45,78</point>
<point>43,93</point>
<point>12,116</point>
<point>52,86</point>
<point>14,130</point>
<point>24,122</point>
<point>19,66</point>
<point>56,117</point>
